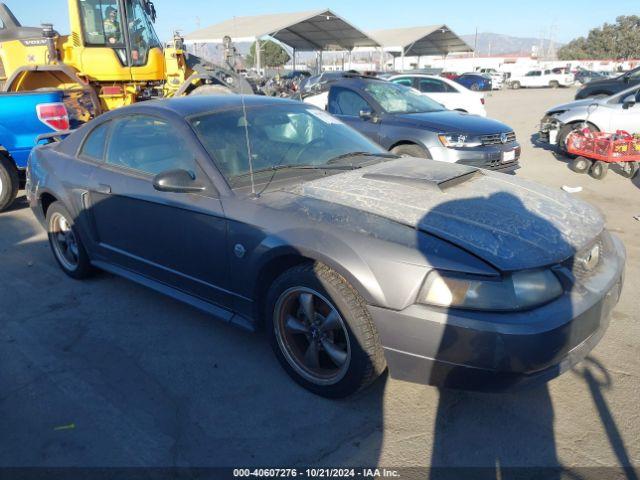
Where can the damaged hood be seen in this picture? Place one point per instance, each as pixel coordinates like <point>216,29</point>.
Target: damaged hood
<point>577,104</point>
<point>510,223</point>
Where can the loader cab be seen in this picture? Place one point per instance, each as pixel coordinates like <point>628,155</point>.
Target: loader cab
<point>126,28</point>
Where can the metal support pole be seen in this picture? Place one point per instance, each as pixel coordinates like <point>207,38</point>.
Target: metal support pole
<point>402,60</point>
<point>293,60</point>
<point>320,61</point>
<point>258,56</point>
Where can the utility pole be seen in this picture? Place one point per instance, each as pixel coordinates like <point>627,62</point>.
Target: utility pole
<point>551,50</point>
<point>475,44</point>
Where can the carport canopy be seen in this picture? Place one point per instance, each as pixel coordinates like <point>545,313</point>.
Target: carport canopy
<point>302,31</point>
<point>418,41</point>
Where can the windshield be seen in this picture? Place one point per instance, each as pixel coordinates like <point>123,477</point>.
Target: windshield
<point>276,136</point>
<point>102,23</point>
<point>141,33</point>
<point>394,98</point>
<point>105,24</point>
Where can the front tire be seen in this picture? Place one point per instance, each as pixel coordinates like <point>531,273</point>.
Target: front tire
<point>564,132</point>
<point>66,243</point>
<point>554,84</point>
<point>9,182</point>
<point>515,85</point>
<point>410,150</point>
<point>321,331</point>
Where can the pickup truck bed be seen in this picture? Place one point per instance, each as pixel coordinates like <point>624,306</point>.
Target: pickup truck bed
<point>23,117</point>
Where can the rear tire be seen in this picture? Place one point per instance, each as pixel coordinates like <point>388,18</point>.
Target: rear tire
<point>66,243</point>
<point>9,182</point>
<point>599,170</point>
<point>410,150</point>
<point>515,85</point>
<point>554,84</point>
<point>629,169</point>
<point>333,358</point>
<point>581,165</point>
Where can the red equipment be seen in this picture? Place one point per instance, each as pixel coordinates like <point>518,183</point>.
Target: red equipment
<point>596,150</point>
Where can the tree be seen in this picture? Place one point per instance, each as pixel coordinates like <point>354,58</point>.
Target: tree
<point>620,41</point>
<point>273,55</point>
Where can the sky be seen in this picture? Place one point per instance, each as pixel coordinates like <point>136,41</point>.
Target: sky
<point>567,18</point>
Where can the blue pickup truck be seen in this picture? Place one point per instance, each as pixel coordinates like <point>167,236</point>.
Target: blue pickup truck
<point>24,117</point>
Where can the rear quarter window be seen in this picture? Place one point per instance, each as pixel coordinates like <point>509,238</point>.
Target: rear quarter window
<point>95,142</point>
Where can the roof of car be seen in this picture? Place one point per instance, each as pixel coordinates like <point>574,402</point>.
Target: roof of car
<point>193,105</point>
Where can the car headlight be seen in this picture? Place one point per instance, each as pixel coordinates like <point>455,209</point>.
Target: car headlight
<point>458,140</point>
<point>517,291</point>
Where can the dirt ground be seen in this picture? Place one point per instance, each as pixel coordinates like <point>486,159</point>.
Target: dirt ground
<point>108,373</point>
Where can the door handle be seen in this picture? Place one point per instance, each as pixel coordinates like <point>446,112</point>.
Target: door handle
<point>103,188</point>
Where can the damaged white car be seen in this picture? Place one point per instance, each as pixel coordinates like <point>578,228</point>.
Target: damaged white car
<point>617,112</point>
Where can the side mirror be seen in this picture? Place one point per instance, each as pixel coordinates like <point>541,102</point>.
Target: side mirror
<point>177,181</point>
<point>628,101</point>
<point>366,114</point>
<point>369,115</point>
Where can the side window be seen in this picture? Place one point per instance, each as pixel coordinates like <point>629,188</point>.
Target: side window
<point>547,72</point>
<point>346,102</point>
<point>407,82</point>
<point>101,21</point>
<point>429,85</point>
<point>94,144</point>
<point>148,145</point>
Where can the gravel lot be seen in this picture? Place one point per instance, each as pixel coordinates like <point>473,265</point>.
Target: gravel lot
<point>107,373</point>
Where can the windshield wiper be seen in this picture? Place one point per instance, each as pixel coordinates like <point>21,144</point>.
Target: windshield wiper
<point>360,154</point>
<point>276,168</point>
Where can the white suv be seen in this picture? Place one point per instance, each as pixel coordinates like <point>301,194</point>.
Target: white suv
<point>542,78</point>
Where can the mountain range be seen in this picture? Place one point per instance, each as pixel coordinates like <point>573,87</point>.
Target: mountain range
<point>497,44</point>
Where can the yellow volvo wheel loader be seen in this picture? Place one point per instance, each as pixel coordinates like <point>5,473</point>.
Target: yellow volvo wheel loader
<point>111,58</point>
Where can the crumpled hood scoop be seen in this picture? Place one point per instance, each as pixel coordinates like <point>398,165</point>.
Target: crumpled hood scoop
<point>511,223</point>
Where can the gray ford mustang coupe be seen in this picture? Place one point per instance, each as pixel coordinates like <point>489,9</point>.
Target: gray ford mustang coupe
<point>272,213</point>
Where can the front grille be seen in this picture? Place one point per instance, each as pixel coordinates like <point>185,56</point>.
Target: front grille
<point>497,139</point>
